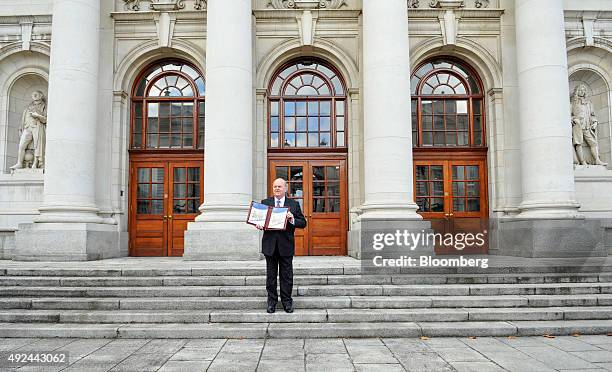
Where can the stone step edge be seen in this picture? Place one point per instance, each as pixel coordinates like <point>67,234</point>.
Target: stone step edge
<point>474,286</point>
<point>307,330</point>
<point>333,270</point>
<point>308,315</point>
<point>600,276</point>
<point>519,301</point>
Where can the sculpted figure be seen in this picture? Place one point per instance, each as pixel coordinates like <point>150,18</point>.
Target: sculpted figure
<point>584,125</point>
<point>32,133</point>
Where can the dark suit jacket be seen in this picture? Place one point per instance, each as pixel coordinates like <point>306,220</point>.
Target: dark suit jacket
<point>284,238</point>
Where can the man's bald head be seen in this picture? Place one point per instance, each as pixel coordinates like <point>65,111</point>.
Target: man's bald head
<point>279,187</point>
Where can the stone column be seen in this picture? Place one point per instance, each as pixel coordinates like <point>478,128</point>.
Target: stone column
<point>387,133</point>
<point>68,227</point>
<point>387,138</point>
<point>544,113</point>
<point>548,224</point>
<point>220,232</point>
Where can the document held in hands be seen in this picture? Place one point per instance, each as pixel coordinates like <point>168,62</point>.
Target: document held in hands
<point>271,218</point>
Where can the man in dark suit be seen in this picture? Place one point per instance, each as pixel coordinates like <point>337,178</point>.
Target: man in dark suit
<point>278,247</point>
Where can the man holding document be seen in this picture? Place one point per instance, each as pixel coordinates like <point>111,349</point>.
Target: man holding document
<point>278,244</point>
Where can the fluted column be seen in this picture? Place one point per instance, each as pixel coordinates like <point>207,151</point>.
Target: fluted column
<point>387,133</point>
<point>549,224</point>
<point>544,113</point>
<point>220,231</point>
<point>70,169</point>
<point>69,227</point>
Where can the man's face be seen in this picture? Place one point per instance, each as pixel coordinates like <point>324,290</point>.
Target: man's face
<point>36,96</point>
<point>581,91</point>
<point>278,188</point>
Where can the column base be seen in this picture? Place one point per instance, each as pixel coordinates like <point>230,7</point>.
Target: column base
<point>222,241</point>
<point>361,238</point>
<point>555,238</point>
<point>66,242</point>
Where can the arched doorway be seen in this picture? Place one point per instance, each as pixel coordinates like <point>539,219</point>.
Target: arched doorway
<point>166,157</point>
<point>307,146</point>
<point>450,151</point>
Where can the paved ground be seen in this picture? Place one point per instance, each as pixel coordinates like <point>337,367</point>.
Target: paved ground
<point>581,353</point>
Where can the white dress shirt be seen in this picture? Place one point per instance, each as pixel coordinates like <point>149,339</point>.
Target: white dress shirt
<point>282,204</point>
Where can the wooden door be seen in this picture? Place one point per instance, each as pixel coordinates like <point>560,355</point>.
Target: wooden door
<point>148,193</point>
<point>452,194</point>
<point>185,181</point>
<point>164,197</point>
<point>320,188</point>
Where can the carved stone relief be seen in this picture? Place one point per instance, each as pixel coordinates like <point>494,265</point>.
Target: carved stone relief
<point>306,4</point>
<point>448,4</point>
<point>199,4</point>
<point>164,5</point>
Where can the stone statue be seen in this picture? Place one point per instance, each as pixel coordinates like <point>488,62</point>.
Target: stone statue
<point>584,125</point>
<point>32,131</point>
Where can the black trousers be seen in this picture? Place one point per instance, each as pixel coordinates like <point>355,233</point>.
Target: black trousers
<point>285,264</point>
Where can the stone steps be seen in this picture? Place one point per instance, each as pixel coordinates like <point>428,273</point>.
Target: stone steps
<point>185,300</point>
<point>114,278</point>
<point>258,280</point>
<point>312,290</point>
<point>306,315</point>
<point>579,267</point>
<point>305,330</point>
<point>303,302</point>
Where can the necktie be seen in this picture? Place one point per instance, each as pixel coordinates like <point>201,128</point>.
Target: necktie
<point>278,202</point>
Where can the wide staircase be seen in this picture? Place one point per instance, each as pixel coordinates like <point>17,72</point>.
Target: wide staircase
<point>135,299</point>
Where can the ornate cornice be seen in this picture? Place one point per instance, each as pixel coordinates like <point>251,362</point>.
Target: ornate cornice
<point>163,5</point>
<point>448,4</point>
<point>306,4</point>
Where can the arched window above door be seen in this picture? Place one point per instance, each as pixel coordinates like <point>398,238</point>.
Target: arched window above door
<point>168,107</point>
<point>307,107</point>
<point>447,105</point>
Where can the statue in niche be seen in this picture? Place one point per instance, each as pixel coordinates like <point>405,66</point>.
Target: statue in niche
<point>584,125</point>
<point>32,134</point>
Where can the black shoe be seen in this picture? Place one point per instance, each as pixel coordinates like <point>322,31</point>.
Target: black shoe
<point>288,309</point>
<point>271,309</point>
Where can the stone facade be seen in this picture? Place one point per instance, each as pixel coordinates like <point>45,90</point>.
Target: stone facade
<point>87,64</point>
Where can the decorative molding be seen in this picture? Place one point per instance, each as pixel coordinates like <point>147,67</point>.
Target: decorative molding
<point>307,26</point>
<point>446,4</point>
<point>449,25</point>
<point>165,28</point>
<point>449,4</point>
<point>164,5</point>
<point>306,4</point>
<point>27,26</point>
<point>132,5</point>
<point>199,4</point>
<point>482,3</point>
<point>167,5</point>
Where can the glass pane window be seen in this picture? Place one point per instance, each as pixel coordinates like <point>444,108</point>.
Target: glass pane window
<point>186,190</point>
<point>307,107</point>
<point>150,190</point>
<point>167,101</point>
<point>447,105</point>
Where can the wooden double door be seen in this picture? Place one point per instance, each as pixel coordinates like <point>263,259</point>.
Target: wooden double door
<point>164,196</point>
<point>320,186</point>
<point>452,194</point>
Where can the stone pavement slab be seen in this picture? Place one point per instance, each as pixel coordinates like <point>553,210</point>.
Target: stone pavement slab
<point>485,354</point>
